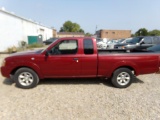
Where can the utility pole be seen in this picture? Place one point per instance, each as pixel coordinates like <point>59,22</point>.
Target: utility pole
<point>95,32</point>
<point>96,28</point>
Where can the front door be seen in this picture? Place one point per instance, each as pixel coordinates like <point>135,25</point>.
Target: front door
<point>63,60</point>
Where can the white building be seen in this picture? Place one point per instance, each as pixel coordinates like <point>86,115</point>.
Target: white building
<point>14,29</point>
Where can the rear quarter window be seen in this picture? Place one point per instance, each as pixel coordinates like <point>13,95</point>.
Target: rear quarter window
<point>147,40</point>
<point>88,46</point>
<point>156,40</point>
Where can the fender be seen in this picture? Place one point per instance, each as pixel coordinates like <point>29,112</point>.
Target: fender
<point>31,65</point>
<point>124,64</point>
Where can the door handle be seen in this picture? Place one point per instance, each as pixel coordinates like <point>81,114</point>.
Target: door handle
<point>76,59</point>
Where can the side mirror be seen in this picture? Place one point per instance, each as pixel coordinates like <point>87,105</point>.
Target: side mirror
<point>47,53</point>
<point>141,43</point>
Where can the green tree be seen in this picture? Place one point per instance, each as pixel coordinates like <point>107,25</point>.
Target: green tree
<point>142,32</point>
<point>68,26</point>
<point>81,30</point>
<point>88,34</point>
<point>132,35</point>
<point>154,33</point>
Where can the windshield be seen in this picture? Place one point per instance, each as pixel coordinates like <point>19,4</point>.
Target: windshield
<point>155,48</point>
<point>111,41</point>
<point>39,51</point>
<point>49,45</point>
<point>134,40</point>
<point>127,40</point>
<point>120,41</point>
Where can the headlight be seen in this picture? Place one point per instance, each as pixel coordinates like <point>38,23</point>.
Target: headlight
<point>3,63</point>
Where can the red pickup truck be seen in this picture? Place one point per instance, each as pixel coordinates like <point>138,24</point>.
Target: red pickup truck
<point>78,57</point>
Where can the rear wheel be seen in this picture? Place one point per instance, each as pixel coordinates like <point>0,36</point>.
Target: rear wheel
<point>122,78</point>
<point>26,78</point>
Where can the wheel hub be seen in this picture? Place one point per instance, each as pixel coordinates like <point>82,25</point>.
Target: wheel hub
<point>25,78</point>
<point>123,78</point>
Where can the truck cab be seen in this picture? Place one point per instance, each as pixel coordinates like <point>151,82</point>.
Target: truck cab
<point>71,57</point>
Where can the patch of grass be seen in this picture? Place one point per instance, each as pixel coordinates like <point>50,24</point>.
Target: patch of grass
<point>23,48</point>
<point>35,45</point>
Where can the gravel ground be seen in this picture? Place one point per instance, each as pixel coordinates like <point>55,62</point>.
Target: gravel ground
<point>81,99</point>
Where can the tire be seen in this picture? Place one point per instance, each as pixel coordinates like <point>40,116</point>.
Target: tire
<point>26,78</point>
<point>122,78</point>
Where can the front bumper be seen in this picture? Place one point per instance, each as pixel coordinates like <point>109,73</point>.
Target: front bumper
<point>158,71</point>
<point>5,71</point>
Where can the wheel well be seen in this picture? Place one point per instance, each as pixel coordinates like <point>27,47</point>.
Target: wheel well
<point>132,69</point>
<point>14,70</point>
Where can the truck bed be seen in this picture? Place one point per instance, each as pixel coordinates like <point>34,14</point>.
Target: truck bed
<point>102,51</point>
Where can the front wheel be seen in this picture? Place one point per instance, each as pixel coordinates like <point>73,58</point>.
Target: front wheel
<point>122,78</point>
<point>26,78</point>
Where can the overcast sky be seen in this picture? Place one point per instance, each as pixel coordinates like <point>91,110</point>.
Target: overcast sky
<point>105,14</point>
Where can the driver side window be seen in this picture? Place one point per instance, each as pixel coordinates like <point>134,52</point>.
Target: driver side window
<point>65,47</point>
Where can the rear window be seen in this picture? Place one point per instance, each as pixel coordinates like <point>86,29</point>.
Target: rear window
<point>88,46</point>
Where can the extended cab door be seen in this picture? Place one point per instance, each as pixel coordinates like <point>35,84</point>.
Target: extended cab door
<point>89,58</point>
<point>63,60</point>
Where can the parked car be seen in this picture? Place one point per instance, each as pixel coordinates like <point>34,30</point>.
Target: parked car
<point>112,43</point>
<point>127,40</point>
<point>101,43</point>
<point>155,48</point>
<point>139,43</point>
<point>77,57</point>
<point>49,41</point>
